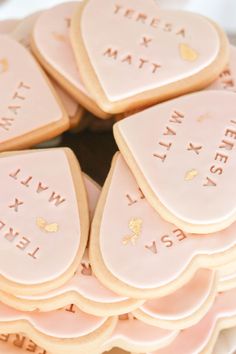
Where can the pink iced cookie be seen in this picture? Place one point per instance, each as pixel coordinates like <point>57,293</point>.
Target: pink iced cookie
<point>18,344</point>
<point>51,44</point>
<point>133,335</point>
<point>25,119</point>
<point>227,79</point>
<point>142,54</point>
<point>227,276</point>
<point>185,306</point>
<point>138,234</point>
<point>68,330</point>
<point>183,155</point>
<point>202,337</point>
<point>22,33</point>
<point>83,290</point>
<point>7,26</point>
<point>44,220</point>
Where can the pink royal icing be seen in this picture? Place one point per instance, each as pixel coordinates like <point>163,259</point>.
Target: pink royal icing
<point>40,223</point>
<point>156,242</point>
<point>66,323</point>
<point>51,35</point>
<point>18,344</point>
<point>182,153</point>
<point>227,79</point>
<point>130,334</point>
<point>20,94</point>
<point>137,42</point>
<point>7,26</point>
<point>184,302</point>
<point>197,338</point>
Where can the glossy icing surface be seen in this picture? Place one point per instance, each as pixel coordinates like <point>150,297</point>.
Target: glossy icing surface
<point>65,323</point>
<point>51,35</point>
<point>183,302</point>
<point>156,242</point>
<point>196,338</point>
<point>37,194</point>
<point>20,110</point>
<point>172,50</point>
<point>194,137</point>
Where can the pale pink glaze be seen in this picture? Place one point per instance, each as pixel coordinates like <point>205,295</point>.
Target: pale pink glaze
<point>209,120</point>
<point>227,80</point>
<point>57,249</point>
<point>136,333</point>
<point>7,26</point>
<point>22,34</point>
<point>37,106</point>
<point>18,344</point>
<point>183,302</point>
<point>58,324</point>
<point>86,285</point>
<point>51,35</point>
<point>196,338</point>
<point>120,80</point>
<point>155,269</point>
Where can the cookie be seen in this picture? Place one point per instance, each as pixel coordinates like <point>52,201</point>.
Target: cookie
<point>83,290</point>
<point>202,337</point>
<point>145,242</point>
<point>44,220</point>
<point>185,307</point>
<point>18,344</point>
<point>227,79</point>
<point>136,54</point>
<point>51,45</point>
<point>30,110</point>
<point>68,330</point>
<point>7,26</point>
<point>22,33</point>
<point>193,137</point>
<point>133,335</point>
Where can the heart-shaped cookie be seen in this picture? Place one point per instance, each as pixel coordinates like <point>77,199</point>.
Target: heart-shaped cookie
<point>145,242</point>
<point>202,337</point>
<point>22,33</point>
<point>227,79</point>
<point>51,45</point>
<point>67,330</point>
<point>133,335</point>
<point>183,155</point>
<point>30,111</point>
<point>44,220</point>
<point>136,54</point>
<point>185,306</point>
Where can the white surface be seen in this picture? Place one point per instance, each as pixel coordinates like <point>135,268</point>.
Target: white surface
<point>222,11</point>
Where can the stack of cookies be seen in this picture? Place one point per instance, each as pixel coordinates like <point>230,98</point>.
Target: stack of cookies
<point>146,264</point>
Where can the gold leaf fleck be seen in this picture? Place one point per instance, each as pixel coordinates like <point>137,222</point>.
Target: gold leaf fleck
<point>203,117</point>
<point>44,226</point>
<point>190,175</point>
<point>4,65</point>
<point>187,53</point>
